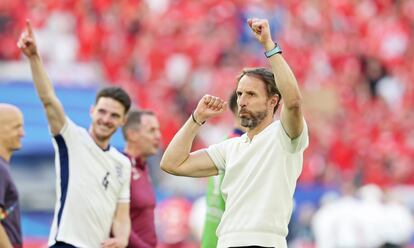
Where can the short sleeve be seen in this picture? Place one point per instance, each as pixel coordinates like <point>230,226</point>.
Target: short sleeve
<point>68,128</point>
<point>294,145</point>
<point>217,153</point>
<point>124,195</point>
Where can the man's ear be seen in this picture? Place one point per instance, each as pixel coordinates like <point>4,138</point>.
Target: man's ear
<point>274,99</point>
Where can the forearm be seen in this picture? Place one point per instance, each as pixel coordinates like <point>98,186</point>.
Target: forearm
<point>285,79</point>
<point>4,239</point>
<point>53,107</point>
<point>291,113</point>
<point>41,80</point>
<point>180,146</point>
<point>121,229</point>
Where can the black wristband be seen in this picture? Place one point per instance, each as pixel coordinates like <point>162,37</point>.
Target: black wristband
<point>194,119</point>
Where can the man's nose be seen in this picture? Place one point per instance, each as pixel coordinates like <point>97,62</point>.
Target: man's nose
<point>106,118</point>
<point>241,100</point>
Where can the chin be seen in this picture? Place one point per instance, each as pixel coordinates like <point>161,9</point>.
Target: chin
<point>103,136</point>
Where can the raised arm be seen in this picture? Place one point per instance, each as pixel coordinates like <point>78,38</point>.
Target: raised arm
<point>53,108</point>
<point>121,227</point>
<point>177,159</point>
<point>291,113</point>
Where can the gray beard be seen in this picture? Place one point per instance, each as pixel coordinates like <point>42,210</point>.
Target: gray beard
<point>253,120</point>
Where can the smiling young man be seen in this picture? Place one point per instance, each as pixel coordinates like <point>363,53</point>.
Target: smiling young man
<point>142,135</point>
<point>92,177</point>
<point>260,167</point>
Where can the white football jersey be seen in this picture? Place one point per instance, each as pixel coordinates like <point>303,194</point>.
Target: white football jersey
<point>90,182</point>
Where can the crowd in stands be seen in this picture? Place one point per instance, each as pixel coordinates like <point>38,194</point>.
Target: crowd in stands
<point>353,60</point>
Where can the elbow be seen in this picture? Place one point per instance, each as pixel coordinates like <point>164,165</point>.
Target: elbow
<point>46,99</point>
<point>170,169</point>
<point>294,104</point>
<point>166,167</point>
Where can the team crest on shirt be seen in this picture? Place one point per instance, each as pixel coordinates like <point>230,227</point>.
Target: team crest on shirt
<point>119,172</point>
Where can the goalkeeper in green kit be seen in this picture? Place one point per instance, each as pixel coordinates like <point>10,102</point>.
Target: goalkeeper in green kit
<point>214,199</point>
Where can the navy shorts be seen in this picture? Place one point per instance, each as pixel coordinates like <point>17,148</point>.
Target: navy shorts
<point>59,244</point>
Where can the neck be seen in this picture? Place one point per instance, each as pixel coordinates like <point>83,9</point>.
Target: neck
<point>5,154</point>
<point>103,144</point>
<point>237,125</point>
<point>133,151</point>
<point>265,123</point>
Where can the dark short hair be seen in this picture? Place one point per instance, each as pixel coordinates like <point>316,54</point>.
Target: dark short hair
<point>233,102</point>
<point>116,93</point>
<point>267,77</point>
<point>133,119</point>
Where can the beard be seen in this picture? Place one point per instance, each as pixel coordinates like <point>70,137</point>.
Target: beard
<point>251,120</point>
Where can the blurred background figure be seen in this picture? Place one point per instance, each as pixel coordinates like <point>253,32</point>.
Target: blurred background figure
<point>142,135</point>
<point>337,223</point>
<point>353,61</point>
<point>11,133</point>
<point>173,223</point>
<point>372,215</point>
<point>398,222</point>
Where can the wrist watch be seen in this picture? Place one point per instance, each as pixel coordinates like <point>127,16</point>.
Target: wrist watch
<point>274,51</point>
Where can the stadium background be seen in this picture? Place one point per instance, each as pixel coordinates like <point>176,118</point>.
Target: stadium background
<point>353,60</point>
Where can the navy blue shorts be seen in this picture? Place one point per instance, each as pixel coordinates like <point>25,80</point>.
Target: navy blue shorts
<point>59,244</point>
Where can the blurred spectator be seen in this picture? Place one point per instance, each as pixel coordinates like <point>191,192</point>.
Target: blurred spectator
<point>398,226</point>
<point>337,223</point>
<point>172,218</point>
<point>371,210</point>
<point>142,135</point>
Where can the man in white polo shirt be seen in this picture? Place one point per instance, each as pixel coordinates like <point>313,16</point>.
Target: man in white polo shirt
<point>261,167</point>
<point>92,177</point>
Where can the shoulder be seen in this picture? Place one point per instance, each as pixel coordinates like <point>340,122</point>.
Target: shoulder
<point>231,141</point>
<point>4,172</point>
<point>71,129</point>
<point>119,156</point>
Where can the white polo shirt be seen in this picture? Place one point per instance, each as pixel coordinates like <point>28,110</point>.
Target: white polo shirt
<point>89,184</point>
<point>258,186</point>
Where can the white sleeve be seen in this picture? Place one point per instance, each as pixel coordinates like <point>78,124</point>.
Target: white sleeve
<point>217,153</point>
<point>69,128</point>
<point>294,145</point>
<point>124,195</point>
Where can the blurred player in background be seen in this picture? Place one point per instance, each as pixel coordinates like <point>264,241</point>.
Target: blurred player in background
<point>93,178</point>
<point>142,135</point>
<point>262,166</point>
<point>214,199</point>
<point>11,132</point>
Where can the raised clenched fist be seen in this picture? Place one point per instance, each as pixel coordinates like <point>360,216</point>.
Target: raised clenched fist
<point>209,106</point>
